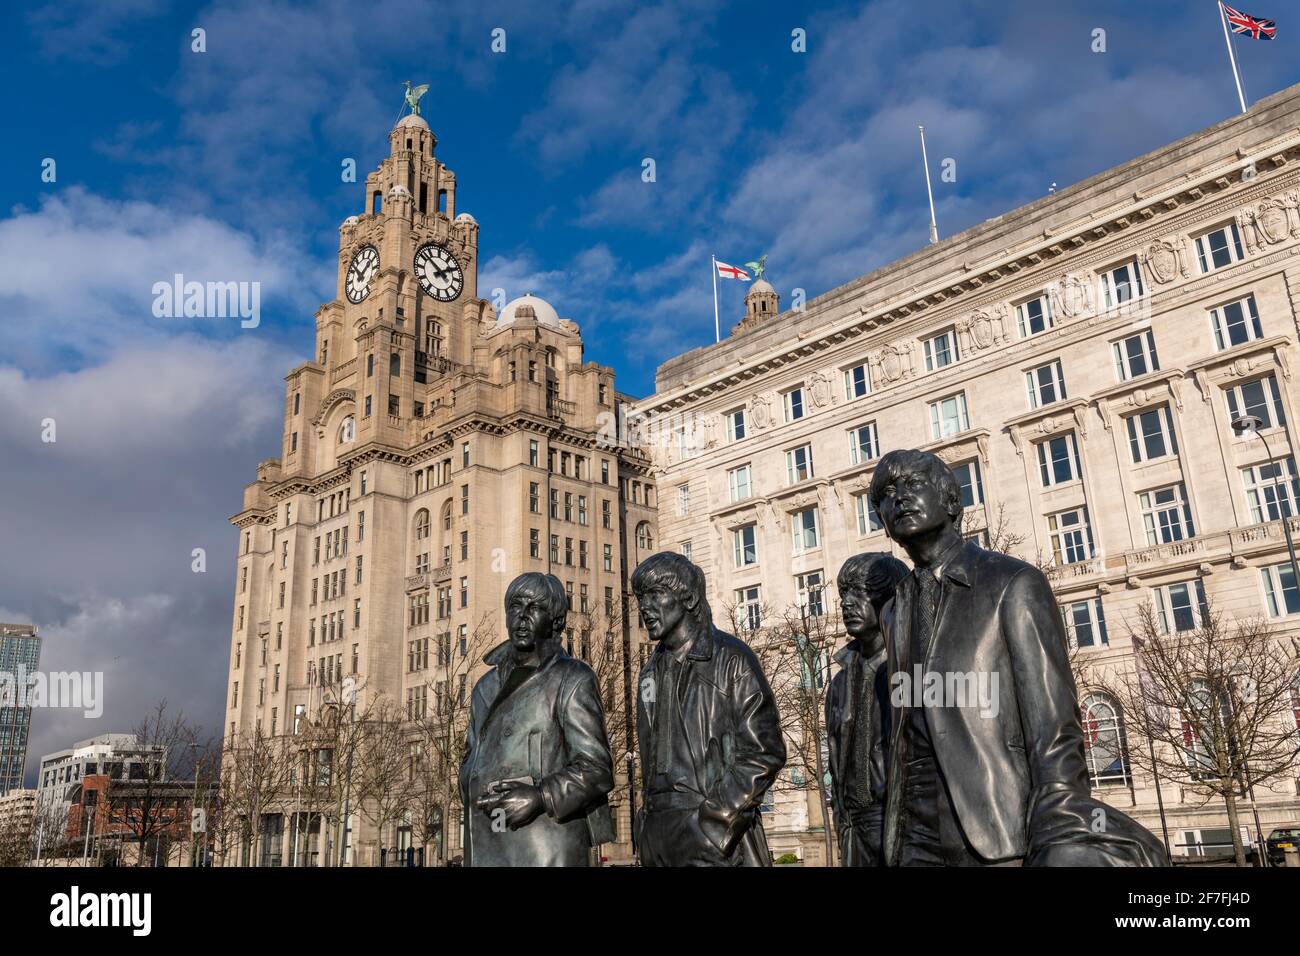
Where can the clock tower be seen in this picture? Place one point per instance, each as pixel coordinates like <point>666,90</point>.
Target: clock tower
<point>432,451</point>
<point>407,284</point>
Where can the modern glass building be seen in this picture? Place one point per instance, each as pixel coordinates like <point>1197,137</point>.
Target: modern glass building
<point>20,656</point>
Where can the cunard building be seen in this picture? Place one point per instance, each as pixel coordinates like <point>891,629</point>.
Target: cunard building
<point>433,450</point>
<point>1079,362</point>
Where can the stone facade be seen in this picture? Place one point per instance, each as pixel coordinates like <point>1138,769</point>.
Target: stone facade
<point>433,450</point>
<point>1078,361</point>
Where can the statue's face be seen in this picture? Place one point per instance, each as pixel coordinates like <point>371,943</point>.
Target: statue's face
<point>662,611</point>
<point>528,620</point>
<point>910,506</point>
<point>857,610</point>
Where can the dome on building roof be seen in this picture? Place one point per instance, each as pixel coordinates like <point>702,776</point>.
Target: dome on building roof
<point>411,119</point>
<point>530,306</point>
<point>760,285</point>
<point>466,217</point>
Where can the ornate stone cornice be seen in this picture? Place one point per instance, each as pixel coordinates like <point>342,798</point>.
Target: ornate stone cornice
<point>1152,210</point>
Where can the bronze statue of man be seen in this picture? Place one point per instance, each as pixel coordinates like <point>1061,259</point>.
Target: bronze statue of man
<point>857,708</point>
<point>708,729</point>
<point>986,764</point>
<point>537,770</point>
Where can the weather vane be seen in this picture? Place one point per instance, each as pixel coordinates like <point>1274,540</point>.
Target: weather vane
<point>413,96</point>
<point>759,267</point>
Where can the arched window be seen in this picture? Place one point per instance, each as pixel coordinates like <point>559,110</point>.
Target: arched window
<point>644,540</point>
<point>421,524</point>
<point>347,430</point>
<point>446,516</point>
<point>1104,745</point>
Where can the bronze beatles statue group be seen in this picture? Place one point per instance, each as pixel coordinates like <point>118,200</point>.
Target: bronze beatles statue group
<point>990,775</point>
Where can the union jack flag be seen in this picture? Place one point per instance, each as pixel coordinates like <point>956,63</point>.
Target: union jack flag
<point>1257,27</point>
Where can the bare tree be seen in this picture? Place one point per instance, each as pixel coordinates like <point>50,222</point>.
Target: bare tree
<point>143,793</point>
<point>255,773</point>
<point>383,781</point>
<point>1211,706</point>
<point>439,730</point>
<point>17,838</point>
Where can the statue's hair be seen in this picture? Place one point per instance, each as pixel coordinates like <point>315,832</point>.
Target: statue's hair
<point>904,461</point>
<point>877,571</point>
<point>676,573</point>
<point>548,588</point>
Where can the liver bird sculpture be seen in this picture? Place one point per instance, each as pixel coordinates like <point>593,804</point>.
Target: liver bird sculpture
<point>413,96</point>
<point>757,268</point>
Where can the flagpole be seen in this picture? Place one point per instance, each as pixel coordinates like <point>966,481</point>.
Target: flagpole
<point>1232,57</point>
<point>934,229</point>
<point>717,334</point>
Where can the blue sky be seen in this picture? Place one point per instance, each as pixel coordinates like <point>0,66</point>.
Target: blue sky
<point>226,165</point>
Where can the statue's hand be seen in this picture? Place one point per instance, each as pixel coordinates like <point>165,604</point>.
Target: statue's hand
<point>520,802</point>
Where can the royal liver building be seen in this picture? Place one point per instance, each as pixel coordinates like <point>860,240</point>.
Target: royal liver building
<point>433,449</point>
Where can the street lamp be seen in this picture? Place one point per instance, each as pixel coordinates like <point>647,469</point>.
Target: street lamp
<point>1250,425</point>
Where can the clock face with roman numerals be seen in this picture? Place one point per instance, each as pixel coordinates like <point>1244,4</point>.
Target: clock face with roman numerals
<point>364,267</point>
<point>439,272</point>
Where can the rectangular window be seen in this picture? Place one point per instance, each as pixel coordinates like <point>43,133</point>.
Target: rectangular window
<point>948,416</point>
<point>608,557</point>
<point>534,543</point>
<point>735,424</point>
<point>793,402</point>
<point>604,513</point>
<point>1058,460</point>
<point>1219,248</point>
<point>555,549</point>
<point>1280,591</point>
<point>798,464</point>
<point>532,453</point>
<point>1166,515</point>
<point>738,483</point>
<point>803,529</point>
<point>1260,398</point>
<point>1034,316</point>
<point>864,444</point>
<point>1151,434</point>
<point>686,550</point>
<point>971,482</point>
<point>1071,536</point>
<point>1135,355</point>
<point>1120,285</point>
<point>941,351</point>
<point>749,610</point>
<point>868,521</point>
<point>1272,489</point>
<point>809,590</point>
<point>1236,323</point>
<point>1085,623</point>
<point>1180,607</point>
<point>857,381</point>
<point>744,543</point>
<point>1046,384</point>
<point>683,500</point>
<point>534,497</point>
